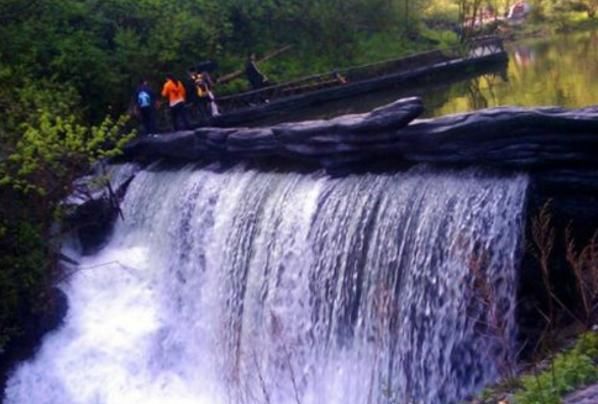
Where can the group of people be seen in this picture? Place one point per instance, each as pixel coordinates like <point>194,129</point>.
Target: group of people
<point>174,91</point>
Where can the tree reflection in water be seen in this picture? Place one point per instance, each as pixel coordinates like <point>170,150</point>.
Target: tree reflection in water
<point>556,71</point>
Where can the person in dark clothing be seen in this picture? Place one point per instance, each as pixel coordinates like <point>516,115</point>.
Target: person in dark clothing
<point>145,100</point>
<point>204,97</point>
<point>256,78</point>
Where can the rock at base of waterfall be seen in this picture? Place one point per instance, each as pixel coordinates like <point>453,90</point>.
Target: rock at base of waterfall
<point>36,324</point>
<point>589,395</point>
<point>93,206</point>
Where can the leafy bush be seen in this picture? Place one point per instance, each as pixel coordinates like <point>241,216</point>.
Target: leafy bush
<point>53,150</point>
<point>443,38</point>
<point>567,372</point>
<point>44,145</point>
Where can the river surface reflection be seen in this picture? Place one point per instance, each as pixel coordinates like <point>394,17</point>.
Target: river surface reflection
<point>562,70</point>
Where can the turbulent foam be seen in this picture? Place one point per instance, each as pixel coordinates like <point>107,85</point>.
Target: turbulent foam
<point>249,287</point>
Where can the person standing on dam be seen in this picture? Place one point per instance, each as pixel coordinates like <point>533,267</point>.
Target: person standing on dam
<point>145,102</point>
<point>175,92</point>
<point>256,78</point>
<point>205,100</point>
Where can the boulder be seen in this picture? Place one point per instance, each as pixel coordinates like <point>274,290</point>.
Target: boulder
<point>36,325</point>
<point>255,142</point>
<point>93,207</point>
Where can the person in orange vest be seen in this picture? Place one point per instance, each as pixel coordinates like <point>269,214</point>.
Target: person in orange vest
<point>174,91</point>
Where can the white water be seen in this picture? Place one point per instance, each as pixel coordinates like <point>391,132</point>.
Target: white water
<point>247,287</point>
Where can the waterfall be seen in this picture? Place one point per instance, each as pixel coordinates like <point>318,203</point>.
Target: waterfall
<point>241,286</point>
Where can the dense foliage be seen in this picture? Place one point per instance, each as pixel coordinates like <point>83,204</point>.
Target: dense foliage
<point>36,173</point>
<point>101,48</point>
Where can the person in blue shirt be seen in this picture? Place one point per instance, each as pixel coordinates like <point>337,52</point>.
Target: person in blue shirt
<point>145,101</point>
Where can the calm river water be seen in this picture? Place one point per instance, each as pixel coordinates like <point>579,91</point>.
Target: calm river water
<point>561,71</point>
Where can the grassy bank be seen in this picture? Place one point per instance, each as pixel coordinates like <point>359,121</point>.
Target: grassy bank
<point>553,378</point>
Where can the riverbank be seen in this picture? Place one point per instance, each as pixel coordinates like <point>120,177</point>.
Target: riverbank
<point>568,374</point>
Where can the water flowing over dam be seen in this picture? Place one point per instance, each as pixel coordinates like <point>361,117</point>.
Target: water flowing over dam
<point>243,286</point>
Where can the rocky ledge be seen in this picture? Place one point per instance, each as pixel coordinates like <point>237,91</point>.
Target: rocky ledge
<point>508,137</point>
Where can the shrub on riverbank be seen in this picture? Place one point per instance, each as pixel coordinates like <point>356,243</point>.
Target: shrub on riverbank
<point>568,371</point>
<point>549,381</point>
<point>550,24</point>
<point>42,153</point>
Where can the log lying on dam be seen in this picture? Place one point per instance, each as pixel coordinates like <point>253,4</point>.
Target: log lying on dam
<point>505,137</point>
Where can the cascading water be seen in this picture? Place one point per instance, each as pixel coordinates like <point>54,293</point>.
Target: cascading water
<point>241,286</point>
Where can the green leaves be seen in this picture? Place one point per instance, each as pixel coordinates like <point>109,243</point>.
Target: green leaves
<point>568,371</point>
<point>45,145</point>
<point>54,149</point>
